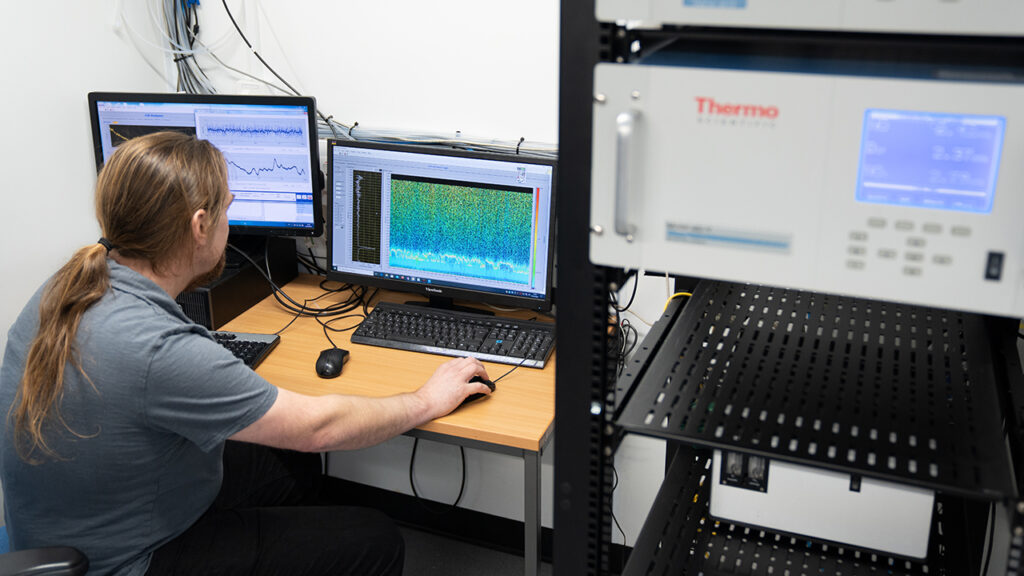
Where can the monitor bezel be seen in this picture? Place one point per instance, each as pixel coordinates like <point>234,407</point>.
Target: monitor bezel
<point>454,293</point>
<point>241,99</point>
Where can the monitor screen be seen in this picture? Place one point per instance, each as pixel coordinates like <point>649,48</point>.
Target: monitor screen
<point>447,224</point>
<point>269,142</point>
<point>928,160</point>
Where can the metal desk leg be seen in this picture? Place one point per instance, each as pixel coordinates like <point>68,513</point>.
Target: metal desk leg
<point>532,517</point>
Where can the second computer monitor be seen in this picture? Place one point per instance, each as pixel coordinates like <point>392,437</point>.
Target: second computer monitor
<point>268,142</point>
<point>443,223</point>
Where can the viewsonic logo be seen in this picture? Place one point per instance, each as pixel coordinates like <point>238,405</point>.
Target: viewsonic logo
<point>707,105</point>
<point>435,290</point>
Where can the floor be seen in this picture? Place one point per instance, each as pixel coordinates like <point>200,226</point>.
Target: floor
<point>428,554</point>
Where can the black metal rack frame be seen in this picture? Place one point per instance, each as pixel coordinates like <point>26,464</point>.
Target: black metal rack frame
<point>586,398</point>
<point>582,499</point>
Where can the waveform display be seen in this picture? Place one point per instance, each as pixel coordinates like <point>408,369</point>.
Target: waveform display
<point>267,168</point>
<point>366,199</point>
<point>457,228</point>
<point>121,133</point>
<point>227,132</point>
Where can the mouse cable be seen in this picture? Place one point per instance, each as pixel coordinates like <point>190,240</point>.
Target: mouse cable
<point>421,499</point>
<point>326,335</point>
<point>325,324</point>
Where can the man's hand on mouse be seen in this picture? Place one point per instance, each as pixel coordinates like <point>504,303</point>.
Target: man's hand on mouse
<point>450,385</point>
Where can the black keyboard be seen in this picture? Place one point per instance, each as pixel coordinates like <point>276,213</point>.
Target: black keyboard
<point>449,333</point>
<point>247,347</point>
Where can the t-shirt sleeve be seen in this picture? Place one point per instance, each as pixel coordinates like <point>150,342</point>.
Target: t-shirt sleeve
<point>199,390</point>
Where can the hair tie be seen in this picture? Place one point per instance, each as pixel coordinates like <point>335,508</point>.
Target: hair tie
<point>106,244</point>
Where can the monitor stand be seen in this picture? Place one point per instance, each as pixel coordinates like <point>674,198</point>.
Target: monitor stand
<point>252,246</point>
<point>443,303</point>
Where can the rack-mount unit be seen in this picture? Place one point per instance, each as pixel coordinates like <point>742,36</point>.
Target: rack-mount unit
<point>969,463</point>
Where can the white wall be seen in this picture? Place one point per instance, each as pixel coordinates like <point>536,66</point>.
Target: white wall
<point>56,53</point>
<point>488,70</point>
<point>483,68</point>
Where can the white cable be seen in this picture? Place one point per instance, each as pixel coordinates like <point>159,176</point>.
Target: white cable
<point>638,317</point>
<point>380,134</point>
<point>210,53</point>
<point>132,35</point>
<point>181,49</point>
<point>494,145</point>
<point>261,11</point>
<point>142,37</point>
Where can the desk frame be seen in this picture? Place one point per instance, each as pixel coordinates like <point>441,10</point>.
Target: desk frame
<point>521,427</point>
<point>531,482</point>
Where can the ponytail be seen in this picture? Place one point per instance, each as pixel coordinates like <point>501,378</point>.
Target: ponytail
<point>146,195</point>
<point>75,287</point>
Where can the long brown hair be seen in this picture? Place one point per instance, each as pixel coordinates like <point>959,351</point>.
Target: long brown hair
<point>146,195</point>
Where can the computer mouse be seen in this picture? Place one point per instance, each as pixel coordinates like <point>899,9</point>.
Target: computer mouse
<point>478,395</point>
<point>330,362</point>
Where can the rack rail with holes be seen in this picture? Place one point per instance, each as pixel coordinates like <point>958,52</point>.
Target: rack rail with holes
<point>913,396</point>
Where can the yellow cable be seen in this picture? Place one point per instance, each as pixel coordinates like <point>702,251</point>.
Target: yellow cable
<point>673,297</point>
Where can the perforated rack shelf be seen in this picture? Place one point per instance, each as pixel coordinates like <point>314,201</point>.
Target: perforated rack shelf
<point>885,390</point>
<point>679,538</point>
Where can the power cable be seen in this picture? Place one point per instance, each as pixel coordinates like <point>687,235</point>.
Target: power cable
<point>412,481</point>
<point>268,66</point>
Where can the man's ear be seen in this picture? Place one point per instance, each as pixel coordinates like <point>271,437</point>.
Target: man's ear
<point>200,227</point>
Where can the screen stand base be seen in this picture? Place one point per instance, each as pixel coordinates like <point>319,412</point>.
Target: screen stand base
<point>252,246</point>
<point>443,303</point>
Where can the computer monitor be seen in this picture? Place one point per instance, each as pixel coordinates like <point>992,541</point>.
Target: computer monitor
<point>269,142</point>
<point>444,223</point>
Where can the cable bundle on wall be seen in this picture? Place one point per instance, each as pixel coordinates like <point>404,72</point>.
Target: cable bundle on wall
<point>181,31</point>
<point>181,21</point>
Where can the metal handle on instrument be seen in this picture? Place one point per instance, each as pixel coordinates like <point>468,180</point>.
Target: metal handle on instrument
<point>625,129</point>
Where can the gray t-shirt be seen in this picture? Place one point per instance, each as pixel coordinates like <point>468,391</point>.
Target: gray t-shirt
<point>144,459</point>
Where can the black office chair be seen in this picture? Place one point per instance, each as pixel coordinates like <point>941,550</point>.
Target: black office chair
<point>56,561</point>
<point>53,561</point>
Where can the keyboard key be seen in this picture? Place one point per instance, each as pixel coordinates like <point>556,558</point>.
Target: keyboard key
<point>247,347</point>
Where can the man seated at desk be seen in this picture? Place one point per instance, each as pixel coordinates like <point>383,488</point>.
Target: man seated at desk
<point>119,407</point>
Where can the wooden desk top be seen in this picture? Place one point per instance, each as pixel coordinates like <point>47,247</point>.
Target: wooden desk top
<point>519,414</point>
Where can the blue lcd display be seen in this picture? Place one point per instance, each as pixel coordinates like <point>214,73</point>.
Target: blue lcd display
<point>925,160</point>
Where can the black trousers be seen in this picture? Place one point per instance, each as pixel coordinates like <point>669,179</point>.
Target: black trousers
<point>269,519</point>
